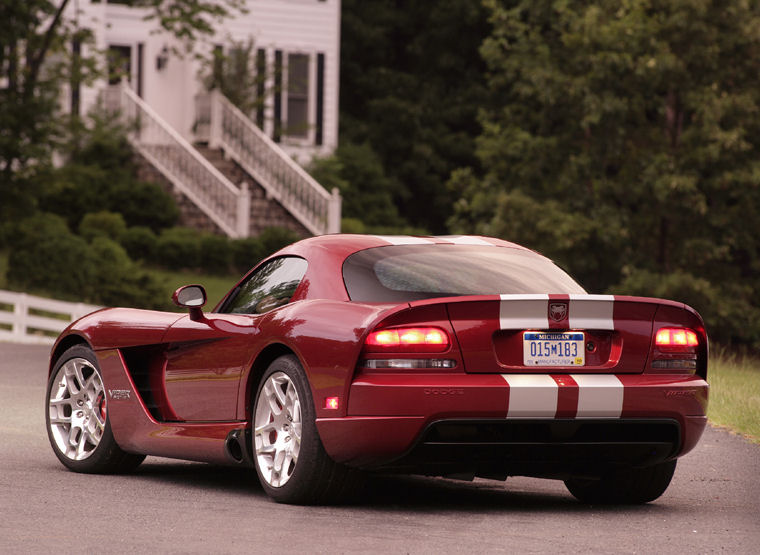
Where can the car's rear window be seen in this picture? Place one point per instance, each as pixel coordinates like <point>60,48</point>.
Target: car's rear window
<point>402,273</point>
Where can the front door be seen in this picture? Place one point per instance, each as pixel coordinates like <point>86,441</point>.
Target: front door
<point>204,363</point>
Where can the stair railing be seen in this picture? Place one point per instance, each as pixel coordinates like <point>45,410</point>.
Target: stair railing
<point>263,159</point>
<point>225,204</point>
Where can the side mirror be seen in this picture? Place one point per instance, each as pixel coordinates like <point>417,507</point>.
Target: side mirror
<point>192,297</point>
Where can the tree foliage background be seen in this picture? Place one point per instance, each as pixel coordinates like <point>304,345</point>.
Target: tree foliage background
<point>625,144</point>
<point>411,85</point>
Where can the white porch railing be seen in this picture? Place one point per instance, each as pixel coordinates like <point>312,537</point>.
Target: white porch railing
<point>29,319</point>
<point>283,179</point>
<point>225,204</point>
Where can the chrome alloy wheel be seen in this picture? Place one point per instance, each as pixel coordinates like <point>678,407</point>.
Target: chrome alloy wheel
<point>277,429</point>
<point>77,409</point>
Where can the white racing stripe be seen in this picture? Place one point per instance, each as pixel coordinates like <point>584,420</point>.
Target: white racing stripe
<point>531,395</point>
<point>599,395</point>
<point>519,312</point>
<point>591,312</point>
<point>404,240</point>
<point>536,395</point>
<point>466,240</point>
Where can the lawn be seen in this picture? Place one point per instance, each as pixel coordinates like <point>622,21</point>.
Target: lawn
<point>735,394</point>
<point>216,286</point>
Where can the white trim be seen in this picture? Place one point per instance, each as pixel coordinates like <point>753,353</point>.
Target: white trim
<point>599,395</point>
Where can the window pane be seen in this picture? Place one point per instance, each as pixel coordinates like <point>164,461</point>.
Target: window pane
<point>298,95</point>
<point>298,117</point>
<point>271,286</point>
<point>298,75</point>
<point>412,272</point>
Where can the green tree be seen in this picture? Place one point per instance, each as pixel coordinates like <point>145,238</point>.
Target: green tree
<point>625,145</point>
<point>411,84</point>
<point>367,191</point>
<point>238,75</point>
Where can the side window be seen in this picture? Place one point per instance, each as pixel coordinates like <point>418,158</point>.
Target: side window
<point>270,286</point>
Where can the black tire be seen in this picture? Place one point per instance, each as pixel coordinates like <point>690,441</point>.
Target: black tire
<point>313,477</point>
<point>632,487</point>
<point>76,413</point>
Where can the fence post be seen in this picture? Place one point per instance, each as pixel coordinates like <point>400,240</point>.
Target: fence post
<point>333,211</point>
<point>20,310</point>
<point>215,120</point>
<point>244,211</point>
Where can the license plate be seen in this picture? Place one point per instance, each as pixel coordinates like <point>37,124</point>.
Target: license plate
<point>553,348</point>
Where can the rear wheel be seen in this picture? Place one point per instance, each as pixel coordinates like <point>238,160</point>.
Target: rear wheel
<point>77,420</point>
<point>290,460</point>
<point>633,486</point>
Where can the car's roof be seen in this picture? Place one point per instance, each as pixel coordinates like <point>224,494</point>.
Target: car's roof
<point>342,245</point>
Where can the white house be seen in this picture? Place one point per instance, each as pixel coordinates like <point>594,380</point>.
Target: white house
<point>296,45</point>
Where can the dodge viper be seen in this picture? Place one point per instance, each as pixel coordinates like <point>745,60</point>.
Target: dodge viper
<point>453,356</point>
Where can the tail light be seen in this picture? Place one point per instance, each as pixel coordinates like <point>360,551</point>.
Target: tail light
<point>675,349</point>
<point>676,339</point>
<point>408,340</point>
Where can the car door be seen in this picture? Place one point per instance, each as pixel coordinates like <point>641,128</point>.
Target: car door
<point>206,358</point>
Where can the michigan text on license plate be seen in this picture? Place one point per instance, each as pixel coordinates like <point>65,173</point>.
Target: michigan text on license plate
<point>553,348</point>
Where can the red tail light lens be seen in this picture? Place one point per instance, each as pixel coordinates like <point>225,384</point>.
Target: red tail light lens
<point>675,350</point>
<point>426,340</point>
<point>676,338</point>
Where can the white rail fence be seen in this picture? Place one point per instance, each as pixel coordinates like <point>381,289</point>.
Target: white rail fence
<point>223,202</point>
<point>224,126</point>
<point>29,319</point>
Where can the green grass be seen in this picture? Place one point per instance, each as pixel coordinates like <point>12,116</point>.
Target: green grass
<point>735,394</point>
<point>216,286</point>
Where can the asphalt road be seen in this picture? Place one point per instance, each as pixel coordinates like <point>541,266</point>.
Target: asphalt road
<point>712,505</point>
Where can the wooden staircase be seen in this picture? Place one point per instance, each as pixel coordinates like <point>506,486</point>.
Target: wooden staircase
<point>240,181</point>
<point>264,211</point>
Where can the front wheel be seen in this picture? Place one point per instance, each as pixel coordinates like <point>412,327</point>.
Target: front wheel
<point>631,487</point>
<point>77,416</point>
<point>290,460</point>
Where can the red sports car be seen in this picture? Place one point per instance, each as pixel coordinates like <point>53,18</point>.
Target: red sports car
<point>446,356</point>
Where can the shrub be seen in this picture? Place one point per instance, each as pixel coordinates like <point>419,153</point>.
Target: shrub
<point>140,243</point>
<point>102,224</point>
<point>246,253</point>
<point>274,238</point>
<point>178,247</point>
<point>215,254</point>
<point>46,257</point>
<point>143,204</point>
<point>352,225</point>
<point>118,281</point>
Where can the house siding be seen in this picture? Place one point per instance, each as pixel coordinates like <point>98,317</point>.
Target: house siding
<point>310,27</point>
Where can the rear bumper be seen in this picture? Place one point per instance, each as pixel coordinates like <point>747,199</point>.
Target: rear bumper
<point>509,423</point>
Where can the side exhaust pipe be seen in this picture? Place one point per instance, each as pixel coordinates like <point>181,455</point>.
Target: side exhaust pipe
<point>238,447</point>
